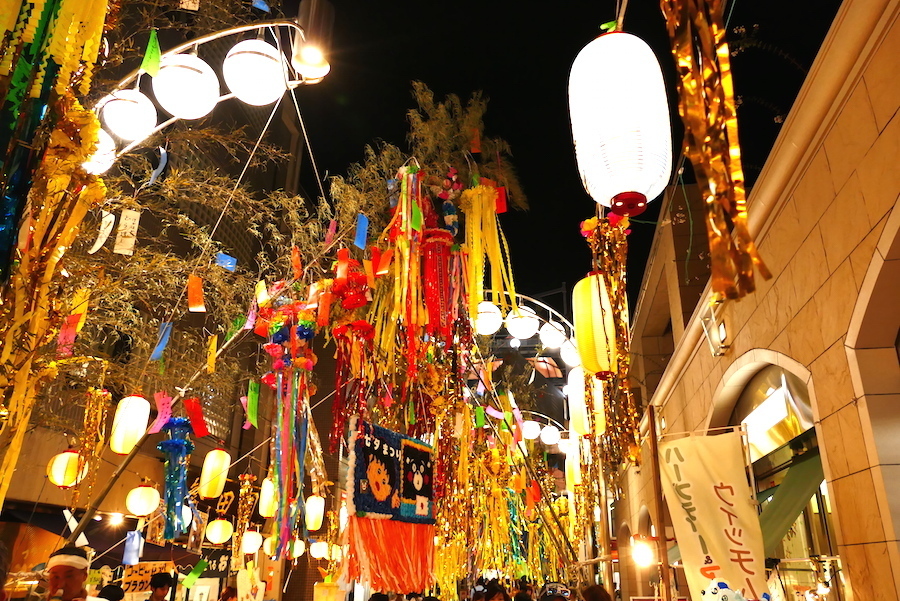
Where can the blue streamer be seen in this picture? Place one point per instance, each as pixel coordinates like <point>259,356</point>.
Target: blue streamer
<point>176,449</point>
<point>134,547</point>
<point>362,231</point>
<point>162,340</point>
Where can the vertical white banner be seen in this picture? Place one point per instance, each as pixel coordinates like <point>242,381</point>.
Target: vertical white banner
<point>713,512</point>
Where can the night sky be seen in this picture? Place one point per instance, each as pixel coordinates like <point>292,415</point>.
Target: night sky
<point>519,54</point>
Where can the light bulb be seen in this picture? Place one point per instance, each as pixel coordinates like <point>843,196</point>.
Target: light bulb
<point>254,71</point>
<point>642,554</point>
<point>128,114</point>
<point>515,343</point>
<point>310,62</point>
<point>104,156</point>
<point>115,519</point>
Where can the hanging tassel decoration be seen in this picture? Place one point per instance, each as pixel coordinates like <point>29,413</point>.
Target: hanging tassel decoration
<point>176,449</point>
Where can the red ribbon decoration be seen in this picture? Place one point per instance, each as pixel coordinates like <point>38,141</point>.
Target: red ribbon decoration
<point>195,414</point>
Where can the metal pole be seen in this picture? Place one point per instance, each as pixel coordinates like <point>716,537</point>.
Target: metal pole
<point>661,550</point>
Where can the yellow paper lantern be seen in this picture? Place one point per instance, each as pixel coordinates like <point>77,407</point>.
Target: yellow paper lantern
<point>219,531</point>
<point>599,408</point>
<point>129,424</point>
<point>595,327</point>
<point>318,550</point>
<point>268,501</point>
<point>251,542</point>
<point>315,512</point>
<point>63,469</point>
<point>142,500</point>
<point>270,545</point>
<point>578,416</point>
<point>214,474</point>
<point>297,548</point>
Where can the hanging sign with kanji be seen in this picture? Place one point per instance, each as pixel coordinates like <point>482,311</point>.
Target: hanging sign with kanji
<point>713,513</point>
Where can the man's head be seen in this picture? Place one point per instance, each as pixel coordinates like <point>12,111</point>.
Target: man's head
<point>67,569</point>
<point>160,584</point>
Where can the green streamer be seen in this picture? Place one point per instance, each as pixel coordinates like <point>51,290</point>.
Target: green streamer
<point>191,578</point>
<point>150,64</point>
<point>479,417</point>
<point>253,402</point>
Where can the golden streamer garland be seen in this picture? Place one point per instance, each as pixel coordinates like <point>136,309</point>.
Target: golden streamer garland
<point>711,140</point>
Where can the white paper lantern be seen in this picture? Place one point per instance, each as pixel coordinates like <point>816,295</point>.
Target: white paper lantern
<point>254,71</point>
<point>530,429</point>
<point>251,542</point>
<point>620,119</point>
<point>129,424</point>
<point>489,318</point>
<point>214,474</point>
<point>552,334</point>
<point>186,86</point>
<point>187,515</point>
<point>270,545</point>
<point>219,531</point>
<point>104,156</point>
<point>142,500</point>
<point>62,470</point>
<point>568,352</point>
<point>296,548</point>
<point>315,512</point>
<point>523,325</point>
<point>578,413</point>
<point>268,500</point>
<point>318,550</point>
<point>128,114</point>
<point>550,435</point>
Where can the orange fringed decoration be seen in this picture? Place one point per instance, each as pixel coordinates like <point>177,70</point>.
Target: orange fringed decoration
<point>711,140</point>
<point>485,239</point>
<point>390,555</point>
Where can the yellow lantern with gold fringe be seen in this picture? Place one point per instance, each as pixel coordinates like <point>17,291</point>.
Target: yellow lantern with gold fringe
<point>595,325</point>
<point>63,469</point>
<point>214,473</point>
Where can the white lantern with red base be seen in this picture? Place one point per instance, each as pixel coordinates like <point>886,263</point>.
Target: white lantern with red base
<point>143,500</point>
<point>63,469</point>
<point>620,122</point>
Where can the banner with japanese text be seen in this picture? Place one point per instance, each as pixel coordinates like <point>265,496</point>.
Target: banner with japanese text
<point>713,513</point>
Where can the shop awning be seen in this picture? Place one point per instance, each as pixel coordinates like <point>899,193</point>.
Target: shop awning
<point>793,494</point>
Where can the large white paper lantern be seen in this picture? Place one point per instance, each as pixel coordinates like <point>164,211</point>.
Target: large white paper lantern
<point>214,474</point>
<point>522,324</point>
<point>63,469</point>
<point>128,114</point>
<point>186,86</point>
<point>129,424</point>
<point>319,549</point>
<point>254,72</point>
<point>578,413</point>
<point>142,500</point>
<point>620,121</point>
<point>489,318</point>
<point>568,352</point>
<point>550,435</point>
<point>251,542</point>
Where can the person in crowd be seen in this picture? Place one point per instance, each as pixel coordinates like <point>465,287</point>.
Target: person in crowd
<point>379,597</point>
<point>67,572</point>
<point>111,592</point>
<point>494,591</point>
<point>595,592</point>
<point>229,593</point>
<point>160,584</point>
<point>522,596</point>
<point>555,591</point>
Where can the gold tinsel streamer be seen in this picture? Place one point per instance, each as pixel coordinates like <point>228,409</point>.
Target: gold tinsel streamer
<point>711,140</point>
<point>93,437</point>
<point>247,498</point>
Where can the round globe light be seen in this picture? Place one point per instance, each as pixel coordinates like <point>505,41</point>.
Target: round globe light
<point>254,71</point>
<point>569,354</point>
<point>251,542</point>
<point>318,550</point>
<point>552,334</point>
<point>524,324</point>
<point>489,318</point>
<point>186,86</point>
<point>219,531</point>
<point>62,470</point>
<point>315,512</point>
<point>530,429</point>
<point>142,500</point>
<point>550,435</point>
<point>642,554</point>
<point>104,156</point>
<point>128,114</point>
<point>310,62</point>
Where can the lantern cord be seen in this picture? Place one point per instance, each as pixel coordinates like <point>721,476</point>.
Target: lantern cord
<point>690,248</point>
<point>730,12</point>
<point>620,16</point>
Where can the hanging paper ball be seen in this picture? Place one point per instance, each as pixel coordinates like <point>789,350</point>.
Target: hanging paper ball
<point>620,122</point>
<point>219,531</point>
<point>550,435</point>
<point>254,71</point>
<point>523,325</point>
<point>489,318</point>
<point>251,542</point>
<point>268,501</point>
<point>186,87</point>
<point>142,500</point>
<point>128,114</point>
<point>318,550</point>
<point>62,470</point>
<point>315,512</point>
<point>187,515</point>
<point>530,429</point>
<point>214,473</point>
<point>129,424</point>
<point>296,548</point>
<point>569,354</point>
<point>552,334</point>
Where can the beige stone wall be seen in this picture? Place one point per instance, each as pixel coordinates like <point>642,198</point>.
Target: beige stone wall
<point>820,243</point>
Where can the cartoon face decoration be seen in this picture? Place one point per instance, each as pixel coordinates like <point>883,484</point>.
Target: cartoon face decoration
<point>720,591</point>
<point>378,478</point>
<point>417,472</point>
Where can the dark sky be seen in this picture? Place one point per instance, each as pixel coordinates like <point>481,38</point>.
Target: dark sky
<point>519,54</point>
